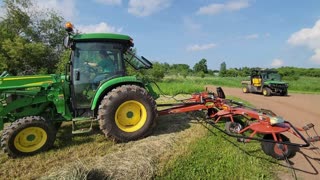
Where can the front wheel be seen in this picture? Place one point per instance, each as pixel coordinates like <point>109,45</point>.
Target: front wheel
<point>245,89</point>
<point>127,113</point>
<point>28,136</point>
<point>276,150</point>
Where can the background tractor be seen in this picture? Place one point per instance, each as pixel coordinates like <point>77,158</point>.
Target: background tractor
<point>267,82</point>
<point>36,105</point>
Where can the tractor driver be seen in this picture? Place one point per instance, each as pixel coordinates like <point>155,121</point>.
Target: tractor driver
<point>105,65</point>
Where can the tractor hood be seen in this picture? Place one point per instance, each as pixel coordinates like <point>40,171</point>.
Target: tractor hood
<point>275,82</point>
<point>16,82</point>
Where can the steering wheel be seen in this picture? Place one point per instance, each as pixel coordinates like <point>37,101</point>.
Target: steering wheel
<point>89,69</point>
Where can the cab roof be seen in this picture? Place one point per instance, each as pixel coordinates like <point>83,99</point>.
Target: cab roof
<point>101,36</point>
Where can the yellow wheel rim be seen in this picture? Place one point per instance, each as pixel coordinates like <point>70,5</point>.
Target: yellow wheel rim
<point>264,92</point>
<point>244,89</point>
<point>131,116</point>
<point>30,139</point>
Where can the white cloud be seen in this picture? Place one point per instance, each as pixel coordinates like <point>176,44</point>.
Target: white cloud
<point>110,2</point>
<point>66,8</point>
<point>99,28</point>
<point>143,8</point>
<point>216,8</point>
<point>197,47</point>
<point>277,63</point>
<point>309,37</point>
<point>252,36</point>
<point>191,25</point>
<point>316,57</point>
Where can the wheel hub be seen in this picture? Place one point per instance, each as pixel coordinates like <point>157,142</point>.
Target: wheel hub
<point>30,139</point>
<point>131,116</point>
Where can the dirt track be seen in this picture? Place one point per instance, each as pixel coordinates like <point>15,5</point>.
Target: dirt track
<point>299,109</point>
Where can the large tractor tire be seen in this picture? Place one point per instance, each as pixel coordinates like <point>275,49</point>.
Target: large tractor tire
<point>276,150</point>
<point>28,136</point>
<point>127,113</point>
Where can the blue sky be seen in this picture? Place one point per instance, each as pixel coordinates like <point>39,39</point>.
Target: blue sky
<point>252,33</point>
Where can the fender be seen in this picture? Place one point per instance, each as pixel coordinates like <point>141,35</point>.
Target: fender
<point>109,84</point>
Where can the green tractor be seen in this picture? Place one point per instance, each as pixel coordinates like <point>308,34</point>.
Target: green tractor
<point>267,82</point>
<point>90,89</point>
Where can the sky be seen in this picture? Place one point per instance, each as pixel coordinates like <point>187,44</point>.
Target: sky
<point>241,33</point>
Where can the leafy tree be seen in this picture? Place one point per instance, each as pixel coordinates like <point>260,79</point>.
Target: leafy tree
<point>201,66</point>
<point>180,69</point>
<point>30,40</point>
<point>157,72</point>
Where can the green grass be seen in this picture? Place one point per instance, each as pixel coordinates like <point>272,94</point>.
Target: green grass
<point>220,157</point>
<point>178,85</point>
<point>190,84</point>
<point>305,85</point>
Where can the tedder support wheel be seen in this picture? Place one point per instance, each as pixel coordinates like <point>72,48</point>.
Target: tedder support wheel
<point>127,113</point>
<point>28,136</point>
<point>266,91</point>
<point>276,150</point>
<point>234,127</point>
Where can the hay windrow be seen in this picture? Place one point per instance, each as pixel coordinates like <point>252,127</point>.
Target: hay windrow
<point>136,160</point>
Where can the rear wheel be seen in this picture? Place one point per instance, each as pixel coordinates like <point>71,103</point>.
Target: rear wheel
<point>266,91</point>
<point>127,113</point>
<point>276,150</point>
<point>28,136</point>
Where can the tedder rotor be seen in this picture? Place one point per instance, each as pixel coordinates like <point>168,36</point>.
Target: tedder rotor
<point>246,123</point>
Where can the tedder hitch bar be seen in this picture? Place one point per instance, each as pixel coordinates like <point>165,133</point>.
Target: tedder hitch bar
<point>245,123</point>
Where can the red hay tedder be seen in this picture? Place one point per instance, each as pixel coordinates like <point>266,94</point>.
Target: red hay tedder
<point>247,123</point>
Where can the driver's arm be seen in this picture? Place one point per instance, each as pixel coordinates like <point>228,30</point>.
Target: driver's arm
<point>92,64</point>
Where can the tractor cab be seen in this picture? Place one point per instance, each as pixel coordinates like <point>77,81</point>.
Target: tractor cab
<point>96,59</point>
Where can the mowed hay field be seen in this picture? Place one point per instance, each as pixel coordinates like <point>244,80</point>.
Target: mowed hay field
<point>178,147</point>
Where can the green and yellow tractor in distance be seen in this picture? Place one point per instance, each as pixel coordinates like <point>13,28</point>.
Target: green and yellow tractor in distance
<point>267,82</point>
<point>93,88</point>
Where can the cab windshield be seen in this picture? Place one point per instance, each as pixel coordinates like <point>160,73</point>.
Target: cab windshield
<point>271,76</point>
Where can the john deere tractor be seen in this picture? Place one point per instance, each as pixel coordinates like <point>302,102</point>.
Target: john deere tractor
<point>34,106</point>
<point>267,82</point>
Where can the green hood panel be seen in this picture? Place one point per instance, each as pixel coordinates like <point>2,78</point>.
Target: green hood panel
<point>16,82</point>
<point>274,82</point>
